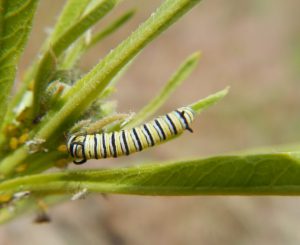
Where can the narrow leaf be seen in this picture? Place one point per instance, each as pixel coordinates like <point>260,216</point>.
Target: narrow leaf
<point>15,24</point>
<point>85,43</point>
<point>114,26</point>
<point>202,104</point>
<point>72,11</point>
<point>180,75</point>
<point>266,174</point>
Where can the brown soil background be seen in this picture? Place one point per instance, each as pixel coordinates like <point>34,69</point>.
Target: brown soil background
<point>253,46</point>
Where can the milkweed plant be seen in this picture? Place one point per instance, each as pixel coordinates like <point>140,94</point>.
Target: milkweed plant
<point>55,101</point>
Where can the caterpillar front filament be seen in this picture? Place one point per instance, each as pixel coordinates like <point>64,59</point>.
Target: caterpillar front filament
<point>125,142</point>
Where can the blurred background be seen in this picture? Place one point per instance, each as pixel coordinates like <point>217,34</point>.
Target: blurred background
<point>253,46</point>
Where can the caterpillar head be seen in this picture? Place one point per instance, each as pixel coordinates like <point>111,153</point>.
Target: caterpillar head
<point>189,115</point>
<point>75,147</point>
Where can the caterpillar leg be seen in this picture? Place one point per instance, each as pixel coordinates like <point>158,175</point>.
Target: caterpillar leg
<point>79,162</point>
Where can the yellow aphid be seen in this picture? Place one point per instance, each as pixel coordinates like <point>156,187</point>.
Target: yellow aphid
<point>21,168</point>
<point>62,148</point>
<point>13,143</point>
<point>5,198</point>
<point>10,129</point>
<point>23,138</point>
<point>31,85</point>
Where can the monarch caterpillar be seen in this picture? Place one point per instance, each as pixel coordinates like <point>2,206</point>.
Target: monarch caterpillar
<point>125,142</point>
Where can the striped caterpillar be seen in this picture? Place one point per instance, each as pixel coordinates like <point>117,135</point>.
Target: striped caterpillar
<point>125,142</point>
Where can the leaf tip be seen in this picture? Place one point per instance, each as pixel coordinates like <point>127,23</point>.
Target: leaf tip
<point>195,57</point>
<point>209,100</point>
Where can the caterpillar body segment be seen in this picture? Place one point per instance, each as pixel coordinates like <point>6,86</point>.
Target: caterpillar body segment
<point>125,142</point>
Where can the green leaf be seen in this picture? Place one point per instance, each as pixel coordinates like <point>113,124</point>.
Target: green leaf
<point>85,43</point>
<point>266,174</point>
<point>180,75</point>
<point>72,11</point>
<point>47,65</point>
<point>15,24</point>
<point>114,26</point>
<point>73,54</point>
<point>210,100</point>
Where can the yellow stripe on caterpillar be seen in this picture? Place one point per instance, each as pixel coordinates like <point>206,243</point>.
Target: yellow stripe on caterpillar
<point>125,142</point>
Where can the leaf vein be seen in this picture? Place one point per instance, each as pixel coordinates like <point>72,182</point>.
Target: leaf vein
<point>22,8</point>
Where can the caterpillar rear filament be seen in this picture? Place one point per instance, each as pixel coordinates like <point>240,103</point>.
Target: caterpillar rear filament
<point>125,142</point>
